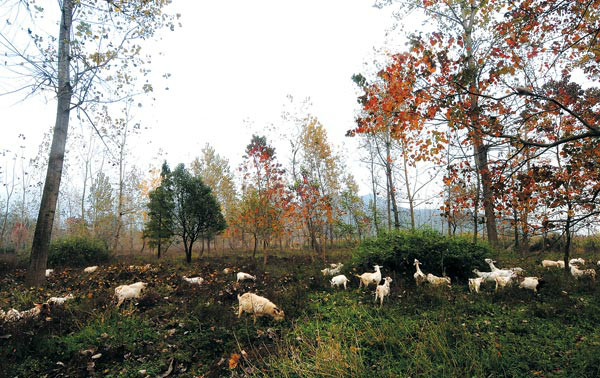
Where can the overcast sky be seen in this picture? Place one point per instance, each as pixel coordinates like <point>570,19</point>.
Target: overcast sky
<point>232,65</point>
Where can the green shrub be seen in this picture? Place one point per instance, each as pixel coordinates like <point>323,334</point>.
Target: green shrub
<point>78,251</point>
<point>438,254</point>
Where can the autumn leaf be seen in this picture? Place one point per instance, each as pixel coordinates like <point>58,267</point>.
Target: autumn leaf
<point>233,360</point>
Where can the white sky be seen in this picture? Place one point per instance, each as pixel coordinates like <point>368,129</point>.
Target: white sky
<point>237,60</point>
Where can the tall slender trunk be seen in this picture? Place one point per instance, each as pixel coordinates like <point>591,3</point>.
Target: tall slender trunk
<point>567,247</point>
<point>411,201</point>
<point>481,158</point>
<point>120,199</point>
<point>374,188</point>
<point>476,208</point>
<point>43,229</point>
<point>159,236</point>
<point>488,197</point>
<point>9,192</point>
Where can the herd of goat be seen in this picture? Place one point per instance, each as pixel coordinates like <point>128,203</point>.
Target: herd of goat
<point>259,306</point>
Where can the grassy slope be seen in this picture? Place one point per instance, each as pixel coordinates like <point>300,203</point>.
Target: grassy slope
<point>420,332</point>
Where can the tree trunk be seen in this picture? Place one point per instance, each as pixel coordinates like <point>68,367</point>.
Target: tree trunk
<point>43,229</point>
<point>488,198</point>
<point>159,238</point>
<point>567,247</point>
<point>411,202</point>
<point>255,246</point>
<point>392,193</point>
<point>374,187</point>
<point>476,208</point>
<point>119,204</point>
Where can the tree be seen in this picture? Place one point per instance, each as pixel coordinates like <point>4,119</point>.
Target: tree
<point>215,172</point>
<point>97,50</point>
<point>265,198</point>
<point>159,227</point>
<point>353,206</point>
<point>197,212</point>
<point>101,213</point>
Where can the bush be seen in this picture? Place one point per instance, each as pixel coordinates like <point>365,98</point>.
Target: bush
<point>78,251</point>
<point>438,254</point>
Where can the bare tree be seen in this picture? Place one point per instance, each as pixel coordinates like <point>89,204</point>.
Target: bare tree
<point>97,45</point>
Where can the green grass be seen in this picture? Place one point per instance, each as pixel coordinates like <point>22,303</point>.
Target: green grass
<point>471,336</point>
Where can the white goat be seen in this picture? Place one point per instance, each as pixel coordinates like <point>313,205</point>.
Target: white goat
<point>578,260</point>
<point>335,269</point>
<point>419,275</point>
<point>475,284</point>
<point>517,271</point>
<point>258,306</point>
<point>60,300</point>
<point>487,276</point>
<point>132,291</point>
<point>499,272</point>
<point>241,276</point>
<point>11,315</point>
<point>14,315</point>
<point>339,280</point>
<point>553,264</point>
<point>437,281</point>
<point>502,282</point>
<point>530,283</point>
<point>193,280</point>
<point>383,290</point>
<point>368,278</point>
<point>91,269</point>
<point>49,272</point>
<point>579,273</point>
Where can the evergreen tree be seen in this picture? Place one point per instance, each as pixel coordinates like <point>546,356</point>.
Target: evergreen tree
<point>197,212</point>
<point>159,228</point>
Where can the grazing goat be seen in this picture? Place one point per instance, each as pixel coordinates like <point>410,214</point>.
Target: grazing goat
<point>258,306</point>
<point>36,311</point>
<point>91,269</point>
<point>339,280</point>
<point>487,276</point>
<point>502,282</point>
<point>579,273</point>
<point>193,280</point>
<point>419,276</point>
<point>578,260</point>
<point>368,278</point>
<point>530,283</point>
<point>241,276</point>
<point>335,269</point>
<point>60,300</point>
<point>475,284</point>
<point>132,291</point>
<point>499,272</point>
<point>13,315</point>
<point>437,281</point>
<point>49,272</point>
<point>383,290</point>
<point>553,264</point>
